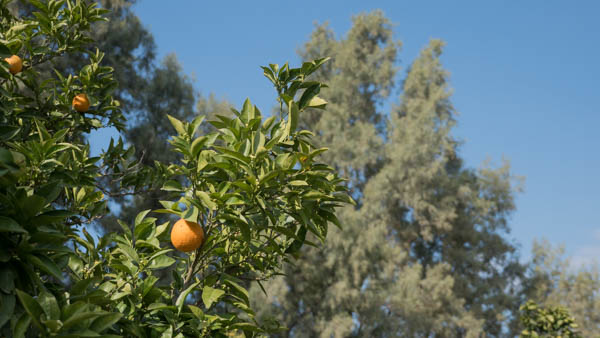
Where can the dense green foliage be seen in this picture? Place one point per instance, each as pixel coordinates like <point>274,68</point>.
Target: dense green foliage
<point>547,322</point>
<point>256,186</point>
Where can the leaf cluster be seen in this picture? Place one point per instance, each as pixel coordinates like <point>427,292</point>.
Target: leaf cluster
<point>547,322</point>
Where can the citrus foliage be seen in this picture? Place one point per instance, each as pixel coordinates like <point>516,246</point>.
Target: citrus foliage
<point>547,322</point>
<point>255,185</point>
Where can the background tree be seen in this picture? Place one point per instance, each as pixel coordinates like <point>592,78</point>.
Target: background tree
<point>360,76</point>
<point>443,212</point>
<point>426,252</point>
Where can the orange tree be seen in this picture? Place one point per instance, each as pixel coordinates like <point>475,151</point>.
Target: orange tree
<point>255,187</point>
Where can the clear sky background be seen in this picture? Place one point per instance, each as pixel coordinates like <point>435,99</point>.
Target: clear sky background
<point>524,73</point>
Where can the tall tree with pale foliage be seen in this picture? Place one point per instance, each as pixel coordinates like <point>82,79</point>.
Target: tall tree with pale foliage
<point>426,252</point>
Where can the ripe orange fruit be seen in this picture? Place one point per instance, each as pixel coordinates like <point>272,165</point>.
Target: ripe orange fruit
<point>15,64</point>
<point>81,103</point>
<point>187,236</point>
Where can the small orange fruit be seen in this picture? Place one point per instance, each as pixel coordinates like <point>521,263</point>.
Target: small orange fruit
<point>15,64</point>
<point>186,236</point>
<point>81,103</point>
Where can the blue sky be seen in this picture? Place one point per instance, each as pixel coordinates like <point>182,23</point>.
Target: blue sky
<point>524,73</point>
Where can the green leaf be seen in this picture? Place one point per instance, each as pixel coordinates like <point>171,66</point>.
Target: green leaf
<point>233,155</point>
<point>310,92</point>
<point>234,200</point>
<point>105,321</point>
<point>313,195</point>
<point>196,123</point>
<point>80,317</point>
<point>191,214</point>
<point>317,102</point>
<point>298,183</point>
<point>45,264</point>
<point>158,254</point>
<point>161,229</point>
<point>197,145</point>
<point>52,216</point>
<point>269,176</point>
<point>32,307</point>
<point>240,290</point>
<point>258,142</point>
<point>211,295</point>
<point>168,333</point>
<point>331,217</point>
<point>177,124</point>
<point>4,51</point>
<point>81,286</point>
<point>172,185</point>
<point>140,217</point>
<point>10,225</point>
<point>268,73</point>
<point>297,243</point>
<point>7,280</point>
<point>125,228</point>
<point>269,122</point>
<point>293,117</point>
<point>160,306</point>
<point>31,205</point>
<point>148,284</point>
<point>7,159</point>
<point>247,111</point>
<point>206,200</point>
<point>7,306</point>
<point>48,303</point>
<point>181,299</point>
<point>53,324</point>
<point>161,261</point>
<point>50,191</point>
<point>120,295</point>
<point>196,311</point>
<point>318,63</point>
<point>22,326</point>
<point>128,251</point>
<point>73,308</point>
<point>142,231</point>
<point>8,132</point>
<point>246,327</point>
<point>241,222</point>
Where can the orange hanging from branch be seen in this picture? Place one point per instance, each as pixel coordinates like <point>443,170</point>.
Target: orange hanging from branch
<point>15,64</point>
<point>187,236</point>
<point>81,103</point>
